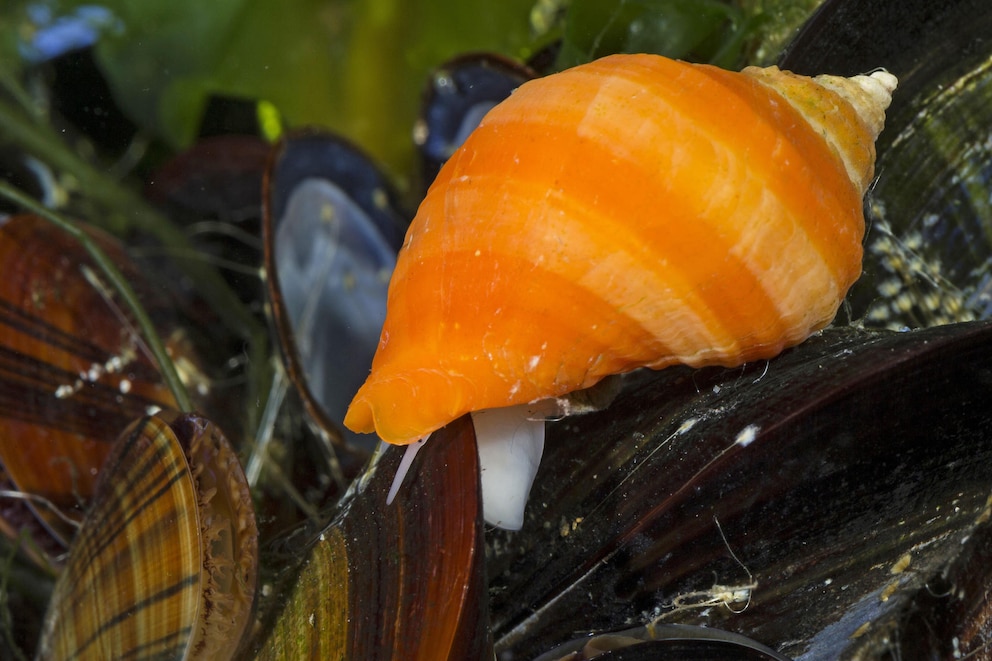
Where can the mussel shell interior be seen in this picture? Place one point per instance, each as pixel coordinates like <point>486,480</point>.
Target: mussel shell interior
<point>332,229</point>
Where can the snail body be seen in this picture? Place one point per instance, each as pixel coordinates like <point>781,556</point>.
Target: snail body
<point>632,212</point>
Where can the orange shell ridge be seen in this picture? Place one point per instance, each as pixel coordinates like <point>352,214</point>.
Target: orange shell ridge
<point>632,212</point>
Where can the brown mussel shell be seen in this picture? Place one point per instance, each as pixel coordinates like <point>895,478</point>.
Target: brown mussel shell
<point>73,368</point>
<point>389,582</point>
<point>165,563</point>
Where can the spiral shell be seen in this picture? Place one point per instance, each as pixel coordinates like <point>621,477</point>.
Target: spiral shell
<point>632,212</point>
<point>165,563</point>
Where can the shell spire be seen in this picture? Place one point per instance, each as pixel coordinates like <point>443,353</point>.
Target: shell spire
<point>632,212</point>
<point>851,128</point>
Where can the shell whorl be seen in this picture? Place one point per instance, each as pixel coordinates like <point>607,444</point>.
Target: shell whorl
<point>632,212</point>
<point>851,128</point>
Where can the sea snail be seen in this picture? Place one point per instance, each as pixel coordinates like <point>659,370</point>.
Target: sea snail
<point>631,212</point>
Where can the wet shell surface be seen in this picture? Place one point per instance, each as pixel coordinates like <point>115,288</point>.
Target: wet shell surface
<point>636,211</point>
<point>165,563</point>
<point>73,370</point>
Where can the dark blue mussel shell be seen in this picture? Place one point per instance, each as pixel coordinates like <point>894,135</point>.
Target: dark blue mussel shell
<point>332,227</point>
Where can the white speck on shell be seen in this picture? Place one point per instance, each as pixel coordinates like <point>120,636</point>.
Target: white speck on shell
<point>747,435</point>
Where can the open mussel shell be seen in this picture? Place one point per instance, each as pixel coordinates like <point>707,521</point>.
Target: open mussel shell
<point>930,219</point>
<point>73,369</point>
<point>390,582</point>
<point>332,228</point>
<point>165,563</point>
<point>812,503</point>
<point>458,95</point>
<point>30,175</point>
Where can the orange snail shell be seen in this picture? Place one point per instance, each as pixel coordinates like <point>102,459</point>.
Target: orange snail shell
<point>632,212</point>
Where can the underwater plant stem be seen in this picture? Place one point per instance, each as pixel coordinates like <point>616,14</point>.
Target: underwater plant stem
<point>119,283</point>
<point>16,91</point>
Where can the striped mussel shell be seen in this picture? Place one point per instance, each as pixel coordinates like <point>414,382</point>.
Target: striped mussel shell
<point>73,370</point>
<point>405,581</point>
<point>165,563</point>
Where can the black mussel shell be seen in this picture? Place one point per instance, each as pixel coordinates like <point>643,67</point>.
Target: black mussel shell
<point>812,503</point>
<point>332,227</point>
<point>214,191</point>
<point>914,39</point>
<point>687,650</point>
<point>928,246</point>
<point>665,641</point>
<point>683,650</point>
<point>219,178</point>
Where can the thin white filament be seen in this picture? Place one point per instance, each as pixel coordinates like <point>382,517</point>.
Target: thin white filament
<point>405,464</point>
